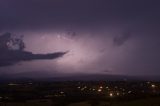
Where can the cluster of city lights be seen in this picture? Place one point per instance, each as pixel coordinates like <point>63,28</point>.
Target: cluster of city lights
<point>114,91</point>
<point>109,90</point>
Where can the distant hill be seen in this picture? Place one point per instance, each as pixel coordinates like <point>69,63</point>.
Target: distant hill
<point>80,77</point>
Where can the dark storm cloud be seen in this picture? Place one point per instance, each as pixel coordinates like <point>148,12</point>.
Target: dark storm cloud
<point>72,34</point>
<point>120,40</point>
<point>40,14</point>
<point>13,57</point>
<point>93,25</point>
<point>10,56</point>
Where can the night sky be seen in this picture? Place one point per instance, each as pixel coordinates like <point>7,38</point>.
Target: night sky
<point>119,37</point>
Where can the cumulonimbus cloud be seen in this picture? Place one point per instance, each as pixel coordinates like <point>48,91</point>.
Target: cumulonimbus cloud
<point>10,56</point>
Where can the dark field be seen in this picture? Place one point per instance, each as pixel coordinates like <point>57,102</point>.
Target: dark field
<point>80,93</point>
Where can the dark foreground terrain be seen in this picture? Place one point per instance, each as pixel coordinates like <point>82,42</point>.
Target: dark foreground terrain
<point>80,93</point>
